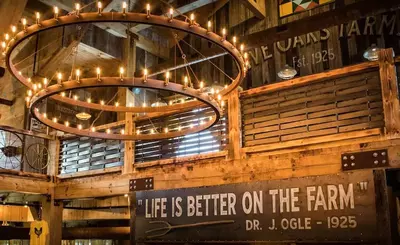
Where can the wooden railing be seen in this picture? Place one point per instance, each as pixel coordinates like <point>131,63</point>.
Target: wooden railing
<point>328,107</point>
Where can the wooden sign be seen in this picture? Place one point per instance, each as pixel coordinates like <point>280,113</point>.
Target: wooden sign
<point>326,49</point>
<point>321,208</point>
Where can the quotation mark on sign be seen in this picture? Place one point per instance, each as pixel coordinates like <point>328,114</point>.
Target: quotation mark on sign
<point>140,202</point>
<point>363,185</point>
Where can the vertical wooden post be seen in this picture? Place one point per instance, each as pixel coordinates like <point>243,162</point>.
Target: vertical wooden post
<point>234,122</point>
<point>54,149</point>
<point>132,223</point>
<point>390,93</point>
<point>52,211</point>
<point>130,60</point>
<point>382,208</point>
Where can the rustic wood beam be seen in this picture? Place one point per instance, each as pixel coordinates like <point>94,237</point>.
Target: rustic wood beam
<point>317,22</point>
<point>107,213</point>
<point>10,13</point>
<point>52,213</point>
<point>21,184</point>
<point>234,123</point>
<point>6,102</point>
<point>257,8</point>
<point>390,92</point>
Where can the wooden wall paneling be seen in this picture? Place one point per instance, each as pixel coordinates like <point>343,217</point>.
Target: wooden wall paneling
<point>235,126</point>
<point>390,92</point>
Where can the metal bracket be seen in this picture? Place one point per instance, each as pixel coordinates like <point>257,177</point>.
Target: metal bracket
<point>143,184</point>
<point>365,160</point>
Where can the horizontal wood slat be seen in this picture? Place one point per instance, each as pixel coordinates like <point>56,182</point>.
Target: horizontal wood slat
<point>324,108</point>
<point>214,139</point>
<point>80,154</point>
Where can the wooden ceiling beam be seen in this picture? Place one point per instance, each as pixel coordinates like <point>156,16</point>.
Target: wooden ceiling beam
<point>257,8</point>
<point>317,22</point>
<point>116,29</point>
<point>9,183</point>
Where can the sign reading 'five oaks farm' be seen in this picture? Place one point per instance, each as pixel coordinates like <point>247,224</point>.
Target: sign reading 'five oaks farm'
<point>334,208</point>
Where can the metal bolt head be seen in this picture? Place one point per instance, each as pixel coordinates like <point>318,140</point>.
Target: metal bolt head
<point>375,154</point>
<point>376,162</point>
<point>134,181</point>
<point>353,164</point>
<point>345,165</point>
<point>352,157</point>
<point>383,161</point>
<point>344,157</point>
<point>383,153</point>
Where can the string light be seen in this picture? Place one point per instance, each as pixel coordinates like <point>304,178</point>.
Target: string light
<point>13,29</point>
<point>148,10</point>
<point>185,82</point>
<point>166,130</point>
<point>144,104</point>
<point>138,131</point>
<point>45,82</point>
<point>62,94</point>
<point>226,86</point>
<point>201,85</point>
<point>93,129</point>
<point>145,73</point>
<point>45,115</point>
<point>76,97</point>
<point>39,85</point>
<point>234,40</point>
<point>223,104</point>
<point>241,48</point>
<point>77,9</point>
<point>171,14</point>
<point>29,92</point>
<point>121,73</point>
<point>124,6</point>
<point>56,11</point>
<point>209,26</point>
<point>223,34</point>
<point>179,128</point>
<point>78,74</point>
<point>59,78</point>
<point>3,45</point>
<point>219,97</point>
<point>108,131</point>
<point>167,75</point>
<point>122,131</point>
<point>24,24</point>
<point>101,102</point>
<point>89,100</point>
<point>170,102</point>
<point>116,104</point>
<point>212,91</point>
<point>54,119</point>
<point>37,18</point>
<point>98,72</point>
<point>151,131</point>
<point>66,124</point>
<point>246,56</point>
<point>192,19</point>
<point>6,36</point>
<point>80,126</point>
<point>34,87</point>
<point>99,7</point>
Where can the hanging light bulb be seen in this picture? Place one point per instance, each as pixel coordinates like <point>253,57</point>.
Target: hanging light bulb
<point>98,72</point>
<point>167,75</point>
<point>83,116</point>
<point>54,119</point>
<point>171,14</point>
<point>148,10</point>
<point>66,124</point>
<point>209,26</point>
<point>77,9</point>
<point>24,23</point>
<point>287,72</point>
<point>56,11</point>
<point>99,7</point>
<point>124,7</point>
<point>37,18</point>
<point>108,131</point>
<point>371,53</point>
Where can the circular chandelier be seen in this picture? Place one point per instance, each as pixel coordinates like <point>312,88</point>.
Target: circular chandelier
<point>38,92</point>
